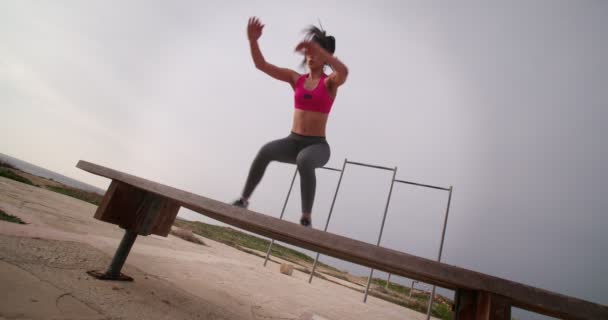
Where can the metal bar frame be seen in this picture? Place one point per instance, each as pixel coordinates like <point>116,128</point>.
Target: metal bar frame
<point>449,189</point>
<point>293,179</point>
<point>370,165</point>
<point>295,172</point>
<point>422,185</point>
<point>445,222</point>
<point>388,200</point>
<point>331,209</point>
<point>346,161</point>
<point>393,180</point>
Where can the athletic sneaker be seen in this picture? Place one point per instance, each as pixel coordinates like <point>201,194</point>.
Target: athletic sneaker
<point>241,203</point>
<point>305,221</point>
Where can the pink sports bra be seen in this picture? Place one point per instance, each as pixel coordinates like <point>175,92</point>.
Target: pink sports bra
<point>317,99</point>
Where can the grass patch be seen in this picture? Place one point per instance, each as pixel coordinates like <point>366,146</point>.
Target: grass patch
<point>442,311</point>
<point>12,175</point>
<point>392,286</point>
<point>441,305</point>
<point>339,275</point>
<point>403,290</point>
<point>89,197</point>
<point>7,171</point>
<point>10,218</point>
<point>235,238</point>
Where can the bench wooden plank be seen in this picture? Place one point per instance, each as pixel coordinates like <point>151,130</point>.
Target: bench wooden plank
<point>392,261</point>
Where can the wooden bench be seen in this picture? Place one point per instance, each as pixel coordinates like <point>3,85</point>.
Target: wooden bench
<point>143,207</point>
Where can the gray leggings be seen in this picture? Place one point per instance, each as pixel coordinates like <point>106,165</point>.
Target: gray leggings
<point>308,153</point>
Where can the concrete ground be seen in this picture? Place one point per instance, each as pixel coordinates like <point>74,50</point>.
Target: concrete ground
<point>43,273</point>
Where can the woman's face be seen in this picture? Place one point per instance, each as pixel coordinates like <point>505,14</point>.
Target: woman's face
<point>314,61</point>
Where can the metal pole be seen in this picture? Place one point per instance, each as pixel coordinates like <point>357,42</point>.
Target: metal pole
<point>412,287</point>
<point>121,254</point>
<point>388,200</point>
<point>428,311</point>
<point>445,222</point>
<point>331,209</point>
<point>295,172</point>
<point>422,185</point>
<point>388,281</point>
<point>370,165</point>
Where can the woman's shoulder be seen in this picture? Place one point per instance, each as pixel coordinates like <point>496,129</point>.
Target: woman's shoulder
<point>299,77</point>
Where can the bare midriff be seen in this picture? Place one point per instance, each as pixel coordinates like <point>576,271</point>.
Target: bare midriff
<point>309,123</point>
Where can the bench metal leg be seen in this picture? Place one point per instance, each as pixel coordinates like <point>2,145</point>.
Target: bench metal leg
<point>137,211</point>
<point>113,272</point>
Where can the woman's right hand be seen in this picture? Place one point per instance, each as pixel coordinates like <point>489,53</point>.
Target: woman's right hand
<point>254,28</point>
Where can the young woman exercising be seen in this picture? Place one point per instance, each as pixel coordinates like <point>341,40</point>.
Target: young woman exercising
<point>314,94</point>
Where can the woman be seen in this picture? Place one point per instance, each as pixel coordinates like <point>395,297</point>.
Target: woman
<point>314,94</point>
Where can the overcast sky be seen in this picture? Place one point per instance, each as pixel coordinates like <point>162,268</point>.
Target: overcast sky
<point>504,100</point>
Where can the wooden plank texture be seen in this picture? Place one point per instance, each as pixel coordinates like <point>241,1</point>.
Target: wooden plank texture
<point>392,261</point>
<point>138,210</point>
<point>479,305</point>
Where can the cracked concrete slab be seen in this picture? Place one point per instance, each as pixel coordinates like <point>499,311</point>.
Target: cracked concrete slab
<point>25,296</point>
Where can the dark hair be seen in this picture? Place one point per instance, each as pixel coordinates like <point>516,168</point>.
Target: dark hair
<point>320,37</point>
